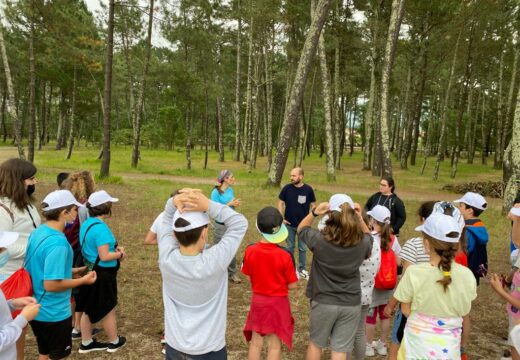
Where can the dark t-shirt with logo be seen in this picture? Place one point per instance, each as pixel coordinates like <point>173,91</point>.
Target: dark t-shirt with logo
<point>297,202</point>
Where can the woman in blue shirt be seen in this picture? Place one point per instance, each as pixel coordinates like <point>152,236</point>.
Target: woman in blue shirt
<point>100,252</point>
<point>223,194</point>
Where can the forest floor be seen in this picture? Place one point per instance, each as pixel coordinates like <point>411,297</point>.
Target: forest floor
<point>143,192</point>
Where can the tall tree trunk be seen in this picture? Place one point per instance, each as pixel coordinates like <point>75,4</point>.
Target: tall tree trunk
<point>136,155</point>
<point>444,112</point>
<point>249,89</point>
<point>483,127</point>
<point>419,102</point>
<point>40,123</point>
<point>206,129</point>
<point>369,116</point>
<point>510,97</point>
<point>107,98</point>
<point>72,115</point>
<point>472,124</point>
<point>11,103</point>
<point>297,91</point>
<point>255,120</point>
<point>47,117</point>
<point>329,136</point>
<point>512,183</point>
<point>4,127</point>
<point>499,146</point>
<point>393,33</point>
<point>236,113</point>
<point>32,96</point>
<point>269,104</point>
<point>309,118</point>
<point>339,127</point>
<point>188,138</point>
<point>220,132</point>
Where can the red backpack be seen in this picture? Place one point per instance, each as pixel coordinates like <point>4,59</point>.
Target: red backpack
<point>386,278</point>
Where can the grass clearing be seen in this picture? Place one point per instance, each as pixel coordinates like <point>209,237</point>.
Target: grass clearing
<point>143,192</point>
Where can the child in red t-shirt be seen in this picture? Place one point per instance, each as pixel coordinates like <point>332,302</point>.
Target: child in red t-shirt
<point>271,270</point>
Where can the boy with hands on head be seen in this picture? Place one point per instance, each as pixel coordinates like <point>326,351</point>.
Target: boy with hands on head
<point>195,279</point>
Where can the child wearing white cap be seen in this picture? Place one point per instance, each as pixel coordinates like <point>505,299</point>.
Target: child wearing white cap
<point>101,253</point>
<point>334,286</point>
<point>380,222</point>
<point>272,273</point>
<point>436,296</point>
<point>471,205</point>
<point>10,330</point>
<point>195,279</point>
<point>49,262</point>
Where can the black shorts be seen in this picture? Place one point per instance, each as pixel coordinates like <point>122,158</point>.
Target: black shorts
<point>98,299</point>
<point>53,338</point>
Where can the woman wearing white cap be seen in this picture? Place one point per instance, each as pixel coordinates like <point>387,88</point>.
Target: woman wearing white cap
<point>17,214</point>
<point>390,249</point>
<point>436,296</point>
<point>101,253</point>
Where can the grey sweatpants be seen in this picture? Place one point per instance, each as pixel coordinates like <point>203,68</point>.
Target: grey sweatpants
<point>218,233</point>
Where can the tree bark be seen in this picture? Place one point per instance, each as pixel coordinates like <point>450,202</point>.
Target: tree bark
<point>136,155</point>
<point>499,146</point>
<point>11,103</point>
<point>329,136</point>
<point>238,130</point>
<point>220,132</point>
<point>444,113</point>
<point>32,96</point>
<point>249,89</point>
<point>483,127</point>
<point>4,127</point>
<point>72,115</point>
<point>269,105</point>
<point>297,91</point>
<point>393,33</point>
<point>512,182</point>
<point>107,98</point>
<point>369,116</point>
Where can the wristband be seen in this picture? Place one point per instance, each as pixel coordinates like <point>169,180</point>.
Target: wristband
<point>313,213</point>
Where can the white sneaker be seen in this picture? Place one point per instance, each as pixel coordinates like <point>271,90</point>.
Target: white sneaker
<point>369,351</point>
<point>304,275</point>
<point>380,347</point>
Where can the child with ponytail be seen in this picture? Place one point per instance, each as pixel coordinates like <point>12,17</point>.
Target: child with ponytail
<point>385,281</point>
<point>436,296</point>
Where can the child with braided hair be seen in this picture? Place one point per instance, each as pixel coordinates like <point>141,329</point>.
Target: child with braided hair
<point>436,296</point>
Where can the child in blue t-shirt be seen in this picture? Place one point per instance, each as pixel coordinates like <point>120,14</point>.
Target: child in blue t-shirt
<point>102,253</point>
<point>49,262</point>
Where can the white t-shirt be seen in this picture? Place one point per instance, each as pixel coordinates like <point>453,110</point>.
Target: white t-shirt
<point>156,223</point>
<point>368,271</point>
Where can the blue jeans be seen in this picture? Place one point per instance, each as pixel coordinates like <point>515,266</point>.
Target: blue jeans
<point>172,354</point>
<point>302,249</point>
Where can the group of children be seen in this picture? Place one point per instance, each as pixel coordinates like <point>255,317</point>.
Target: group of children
<point>354,277</point>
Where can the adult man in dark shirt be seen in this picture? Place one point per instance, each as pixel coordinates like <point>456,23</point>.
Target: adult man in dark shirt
<point>295,201</point>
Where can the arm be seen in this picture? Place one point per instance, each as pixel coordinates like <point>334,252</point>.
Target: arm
<point>406,309</point>
<point>10,332</point>
<point>390,307</point>
<point>166,241</point>
<point>307,221</point>
<point>106,255</point>
<point>515,231</point>
<point>150,238</point>
<point>400,215</point>
<point>496,284</point>
<point>65,284</point>
<point>405,264</point>
<point>281,207</point>
<point>293,285</point>
<point>466,330</point>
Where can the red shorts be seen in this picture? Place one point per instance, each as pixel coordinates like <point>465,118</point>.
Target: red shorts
<point>372,314</point>
<point>270,315</point>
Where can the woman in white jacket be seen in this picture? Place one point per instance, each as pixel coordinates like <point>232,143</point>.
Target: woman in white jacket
<point>17,214</point>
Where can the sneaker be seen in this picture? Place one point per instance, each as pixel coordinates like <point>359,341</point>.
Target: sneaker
<point>163,351</point>
<point>112,348</point>
<point>369,351</point>
<point>303,275</point>
<point>380,347</point>
<point>163,340</point>
<point>76,334</point>
<point>93,346</point>
<point>235,279</point>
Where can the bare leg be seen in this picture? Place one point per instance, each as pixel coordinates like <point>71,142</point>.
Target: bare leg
<point>43,357</point>
<point>86,328</point>
<point>274,347</point>
<point>255,346</point>
<point>370,329</point>
<point>77,319</point>
<point>385,330</point>
<point>392,351</point>
<point>110,325</point>
<point>313,351</point>
<point>20,345</point>
<point>334,355</point>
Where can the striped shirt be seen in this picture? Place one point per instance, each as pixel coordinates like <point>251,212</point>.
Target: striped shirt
<point>413,251</point>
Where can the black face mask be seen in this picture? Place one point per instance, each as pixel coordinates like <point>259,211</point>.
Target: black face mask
<point>30,189</point>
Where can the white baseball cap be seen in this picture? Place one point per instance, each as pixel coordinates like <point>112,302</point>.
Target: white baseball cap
<point>59,199</point>
<point>441,206</point>
<point>474,200</point>
<point>337,200</point>
<point>100,197</point>
<point>195,218</point>
<point>515,211</point>
<point>7,238</point>
<point>380,214</point>
<point>438,226</point>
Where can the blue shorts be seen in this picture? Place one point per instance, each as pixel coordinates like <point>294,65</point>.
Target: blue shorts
<point>395,326</point>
